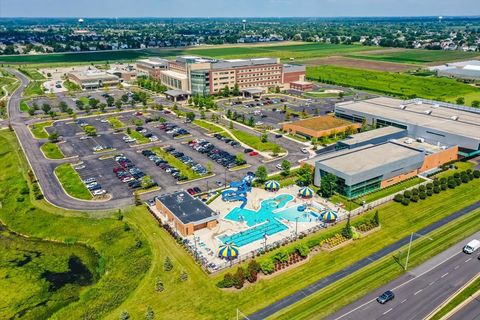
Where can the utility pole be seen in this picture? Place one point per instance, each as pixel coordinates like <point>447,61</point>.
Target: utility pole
<point>410,246</point>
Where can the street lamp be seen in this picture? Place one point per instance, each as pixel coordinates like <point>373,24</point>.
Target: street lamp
<point>410,246</point>
<point>296,227</point>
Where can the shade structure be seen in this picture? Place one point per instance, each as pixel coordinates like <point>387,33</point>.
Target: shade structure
<point>272,185</point>
<point>329,216</point>
<point>306,192</point>
<point>228,250</point>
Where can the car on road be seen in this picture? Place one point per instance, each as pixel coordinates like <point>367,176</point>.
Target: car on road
<point>385,297</point>
<point>472,246</point>
<point>304,150</point>
<point>279,166</point>
<point>247,150</point>
<point>99,192</point>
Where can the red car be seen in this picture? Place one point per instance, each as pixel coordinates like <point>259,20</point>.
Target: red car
<point>117,169</point>
<point>253,153</point>
<point>138,113</point>
<point>191,191</point>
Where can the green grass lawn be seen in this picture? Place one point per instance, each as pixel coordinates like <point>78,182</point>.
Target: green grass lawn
<point>52,151</point>
<point>9,83</point>
<point>253,141</point>
<point>71,182</point>
<point>32,73</point>
<point>24,105</point>
<point>71,86</point>
<point>401,85</point>
<point>347,204</point>
<point>184,169</point>
<point>34,88</point>
<point>189,299</point>
<point>461,166</point>
<point>117,257</point>
<point>138,136</point>
<point>461,297</point>
<point>210,127</point>
<point>84,100</point>
<point>38,129</point>
<point>115,123</point>
<point>390,190</point>
<point>413,56</point>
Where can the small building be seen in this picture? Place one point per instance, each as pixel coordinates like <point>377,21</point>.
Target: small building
<point>317,127</point>
<point>93,79</point>
<point>152,67</point>
<point>252,92</point>
<point>376,136</point>
<point>186,213</point>
<point>465,70</point>
<point>301,85</point>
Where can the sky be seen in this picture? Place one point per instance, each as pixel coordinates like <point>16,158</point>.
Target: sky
<point>236,8</point>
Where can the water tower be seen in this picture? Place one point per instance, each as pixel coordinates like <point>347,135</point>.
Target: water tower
<point>244,22</point>
<point>81,21</point>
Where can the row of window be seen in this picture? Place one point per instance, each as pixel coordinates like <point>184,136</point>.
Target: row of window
<point>258,69</point>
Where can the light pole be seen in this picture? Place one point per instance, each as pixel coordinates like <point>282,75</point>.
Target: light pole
<point>410,246</point>
<point>296,227</point>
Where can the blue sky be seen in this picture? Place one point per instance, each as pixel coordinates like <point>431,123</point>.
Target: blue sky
<point>235,8</point>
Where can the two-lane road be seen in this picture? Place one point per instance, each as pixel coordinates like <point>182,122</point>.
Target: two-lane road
<point>421,290</point>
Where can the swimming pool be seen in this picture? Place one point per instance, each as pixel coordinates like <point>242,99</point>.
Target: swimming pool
<point>267,220</point>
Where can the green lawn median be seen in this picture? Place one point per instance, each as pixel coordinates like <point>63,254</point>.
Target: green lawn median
<point>51,151</point>
<point>115,123</point>
<point>184,169</point>
<point>34,88</point>
<point>210,127</point>
<point>140,139</point>
<point>71,182</point>
<point>255,142</point>
<point>38,129</point>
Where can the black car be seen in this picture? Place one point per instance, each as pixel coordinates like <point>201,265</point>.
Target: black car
<point>197,190</point>
<point>247,150</point>
<point>138,129</point>
<point>385,297</point>
<point>278,136</point>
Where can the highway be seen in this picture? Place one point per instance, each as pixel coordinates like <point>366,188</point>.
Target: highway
<point>470,311</point>
<point>421,290</point>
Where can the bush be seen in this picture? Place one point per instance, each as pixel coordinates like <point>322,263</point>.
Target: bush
<point>429,192</point>
<point>415,192</point>
<point>436,182</point>
<point>167,264</point>
<point>398,198</point>
<point>443,180</point>
<point>436,189</point>
<point>227,281</point>
<point>405,201</point>
<point>414,198</point>
<point>267,266</point>
<point>159,285</point>
<point>302,250</point>
<point>476,174</point>
<point>452,184</point>
<point>239,278</point>
<point>407,194</point>
<point>465,178</point>
<point>422,188</point>
<point>443,187</point>
<point>422,195</point>
<point>281,256</point>
<point>252,271</point>
<point>430,186</point>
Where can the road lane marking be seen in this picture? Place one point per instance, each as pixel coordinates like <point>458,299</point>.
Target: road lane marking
<point>468,260</point>
<point>388,311</point>
<point>456,267</point>
<point>431,283</point>
<point>403,301</point>
<point>444,275</point>
<point>418,292</point>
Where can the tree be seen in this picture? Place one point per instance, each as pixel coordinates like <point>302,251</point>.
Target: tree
<point>53,137</point>
<point>118,105</point>
<point>229,114</point>
<point>304,175</point>
<point>236,90</point>
<point>124,315</point>
<point>46,108</point>
<point>147,182</point>
<point>110,101</point>
<point>190,116</point>
<point>251,122</point>
<point>202,115</point>
<point>102,106</point>
<point>90,131</point>
<point>264,137</point>
<point>286,165</point>
<point>167,264</point>
<point>209,167</point>
<point>261,174</point>
<point>460,100</point>
<point>328,185</point>
<point>276,150</point>
<point>93,103</point>
<point>149,314</point>
<point>476,103</point>
<point>347,230</point>
<point>230,124</point>
<point>63,106</point>
<point>226,91</point>
<point>239,158</point>
<point>376,218</point>
<point>79,104</point>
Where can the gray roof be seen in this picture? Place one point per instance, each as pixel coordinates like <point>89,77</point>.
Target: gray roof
<point>253,90</point>
<point>371,134</point>
<point>460,73</point>
<point>176,93</point>
<point>186,208</point>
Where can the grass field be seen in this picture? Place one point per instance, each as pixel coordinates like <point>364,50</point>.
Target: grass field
<point>24,106</point>
<point>38,129</point>
<point>9,84</point>
<point>32,73</point>
<point>71,182</point>
<point>254,142</point>
<point>390,190</point>
<point>118,258</point>
<point>52,151</point>
<point>184,169</point>
<point>115,123</point>
<point>34,88</point>
<point>298,51</point>
<point>210,127</point>
<point>418,56</point>
<point>461,166</point>
<point>401,85</point>
<point>138,136</point>
<point>397,222</point>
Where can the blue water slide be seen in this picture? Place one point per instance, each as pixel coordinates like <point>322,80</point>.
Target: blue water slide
<point>232,195</point>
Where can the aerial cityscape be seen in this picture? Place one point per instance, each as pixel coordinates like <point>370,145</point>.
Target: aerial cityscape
<point>274,160</point>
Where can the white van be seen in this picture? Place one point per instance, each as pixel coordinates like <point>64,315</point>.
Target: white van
<point>472,246</point>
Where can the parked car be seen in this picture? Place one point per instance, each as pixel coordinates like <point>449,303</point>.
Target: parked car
<point>278,136</point>
<point>253,153</point>
<point>247,150</point>
<point>197,189</point>
<point>385,297</point>
<point>304,150</point>
<point>99,192</point>
<point>191,191</point>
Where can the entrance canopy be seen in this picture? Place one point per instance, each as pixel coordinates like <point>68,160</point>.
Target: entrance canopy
<point>177,95</point>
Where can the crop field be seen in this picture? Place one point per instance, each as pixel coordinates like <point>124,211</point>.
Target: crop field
<point>401,85</point>
<point>298,51</point>
<point>360,64</point>
<point>414,56</point>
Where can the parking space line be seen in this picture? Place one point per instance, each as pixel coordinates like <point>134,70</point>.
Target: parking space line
<point>431,283</point>
<point>468,260</point>
<point>388,311</point>
<point>403,301</point>
<point>444,275</point>
<point>456,267</point>
<point>418,292</point>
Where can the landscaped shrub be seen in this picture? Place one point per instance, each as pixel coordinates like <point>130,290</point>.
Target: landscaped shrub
<point>407,194</point>
<point>415,191</point>
<point>239,278</point>
<point>414,198</point>
<point>252,271</point>
<point>430,185</point>
<point>429,192</point>
<point>465,178</point>
<point>422,195</point>
<point>226,282</point>
<point>456,175</point>
<point>398,198</point>
<point>267,266</point>
<point>422,188</point>
<point>281,256</point>
<point>436,189</point>
<point>436,182</point>
<point>458,181</point>
<point>302,250</point>
<point>452,184</point>
<point>443,180</point>
<point>443,187</point>
<point>312,243</point>
<point>405,201</point>
<point>476,174</point>
<point>167,264</point>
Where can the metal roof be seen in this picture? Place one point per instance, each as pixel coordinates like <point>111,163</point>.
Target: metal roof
<point>186,208</point>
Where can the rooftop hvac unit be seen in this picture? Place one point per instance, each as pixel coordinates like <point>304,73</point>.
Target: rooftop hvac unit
<point>454,118</point>
<point>428,111</point>
<point>422,140</point>
<point>419,102</point>
<point>409,141</point>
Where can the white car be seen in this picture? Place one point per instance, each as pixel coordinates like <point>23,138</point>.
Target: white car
<point>98,148</point>
<point>258,123</point>
<point>279,166</point>
<point>99,192</point>
<point>153,138</point>
<point>104,121</point>
<point>79,167</point>
<point>83,138</point>
<point>304,150</point>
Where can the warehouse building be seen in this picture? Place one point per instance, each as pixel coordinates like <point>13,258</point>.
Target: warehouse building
<point>376,136</point>
<point>372,167</point>
<point>465,70</point>
<point>186,213</point>
<point>437,123</point>
<point>93,79</point>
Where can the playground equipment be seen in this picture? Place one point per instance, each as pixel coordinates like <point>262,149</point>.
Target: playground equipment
<point>242,187</point>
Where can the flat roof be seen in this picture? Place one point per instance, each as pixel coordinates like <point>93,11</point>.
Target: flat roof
<point>371,134</point>
<point>321,123</point>
<point>176,93</point>
<point>174,74</point>
<point>186,208</point>
<point>93,75</point>
<point>253,90</point>
<point>368,158</point>
<point>428,115</point>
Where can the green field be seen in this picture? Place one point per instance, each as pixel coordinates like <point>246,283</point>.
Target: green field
<point>9,84</point>
<point>38,129</point>
<point>32,73</point>
<point>412,56</point>
<point>254,142</point>
<point>34,88</point>
<point>210,127</point>
<point>24,105</point>
<point>184,169</point>
<point>400,85</point>
<point>122,255</point>
<point>52,151</point>
<point>71,182</point>
<point>298,51</point>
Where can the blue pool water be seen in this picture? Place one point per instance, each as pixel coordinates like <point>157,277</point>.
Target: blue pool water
<point>265,221</point>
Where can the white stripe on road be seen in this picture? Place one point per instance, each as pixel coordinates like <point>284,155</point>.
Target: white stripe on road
<point>403,301</point>
<point>444,275</point>
<point>431,283</point>
<point>388,311</point>
<point>418,292</point>
<point>456,267</point>
<point>468,260</point>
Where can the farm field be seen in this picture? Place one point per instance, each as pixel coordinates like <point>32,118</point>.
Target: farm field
<point>360,64</point>
<point>415,56</point>
<point>298,51</point>
<point>400,85</point>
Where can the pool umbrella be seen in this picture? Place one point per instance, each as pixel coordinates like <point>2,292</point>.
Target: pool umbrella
<point>272,185</point>
<point>306,192</point>
<point>329,216</point>
<point>228,251</point>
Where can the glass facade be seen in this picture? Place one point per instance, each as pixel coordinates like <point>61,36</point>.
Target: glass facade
<point>386,123</point>
<point>200,83</point>
<point>356,190</point>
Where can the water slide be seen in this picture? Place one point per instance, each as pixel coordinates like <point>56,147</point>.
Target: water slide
<point>242,187</point>
<point>232,195</point>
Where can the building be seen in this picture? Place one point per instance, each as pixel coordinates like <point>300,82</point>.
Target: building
<point>466,70</point>
<point>204,76</point>
<point>151,67</point>
<point>376,136</point>
<point>317,127</point>
<point>301,85</point>
<point>437,123</point>
<point>370,167</point>
<point>186,213</point>
<point>93,79</point>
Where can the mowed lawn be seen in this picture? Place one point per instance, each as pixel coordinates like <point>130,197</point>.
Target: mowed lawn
<point>396,84</point>
<point>415,56</point>
<point>254,141</point>
<point>199,298</point>
<point>38,129</point>
<point>210,127</point>
<point>52,151</point>
<point>71,182</point>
